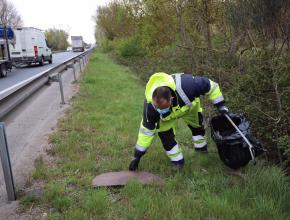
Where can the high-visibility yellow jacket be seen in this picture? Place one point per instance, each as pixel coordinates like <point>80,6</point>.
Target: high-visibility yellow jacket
<point>185,89</point>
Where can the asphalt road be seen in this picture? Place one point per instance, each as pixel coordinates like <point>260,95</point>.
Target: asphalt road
<point>19,74</point>
<point>28,127</point>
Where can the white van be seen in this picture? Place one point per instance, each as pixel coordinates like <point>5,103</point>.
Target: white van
<point>30,47</point>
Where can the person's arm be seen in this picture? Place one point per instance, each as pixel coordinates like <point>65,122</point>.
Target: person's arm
<point>212,90</point>
<point>146,134</point>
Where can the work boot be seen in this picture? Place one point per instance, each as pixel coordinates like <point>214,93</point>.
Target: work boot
<point>177,168</point>
<point>177,165</point>
<point>201,150</point>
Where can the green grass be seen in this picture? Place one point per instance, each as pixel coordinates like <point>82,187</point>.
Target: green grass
<point>98,134</point>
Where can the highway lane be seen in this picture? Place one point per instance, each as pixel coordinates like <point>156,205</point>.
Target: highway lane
<point>19,74</point>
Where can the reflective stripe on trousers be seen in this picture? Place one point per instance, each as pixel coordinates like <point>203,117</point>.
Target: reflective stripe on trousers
<point>199,141</point>
<point>175,153</point>
<point>140,148</point>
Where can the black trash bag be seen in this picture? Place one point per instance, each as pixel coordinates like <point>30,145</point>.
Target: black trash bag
<point>232,148</point>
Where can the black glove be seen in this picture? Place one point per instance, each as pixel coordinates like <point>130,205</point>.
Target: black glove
<point>134,164</point>
<point>223,109</point>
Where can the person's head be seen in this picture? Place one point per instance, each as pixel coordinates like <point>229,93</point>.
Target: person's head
<point>162,97</point>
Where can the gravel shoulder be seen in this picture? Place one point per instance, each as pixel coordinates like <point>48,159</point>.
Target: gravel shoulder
<point>28,128</point>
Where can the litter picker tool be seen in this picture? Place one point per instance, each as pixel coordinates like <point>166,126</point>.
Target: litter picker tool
<point>243,136</point>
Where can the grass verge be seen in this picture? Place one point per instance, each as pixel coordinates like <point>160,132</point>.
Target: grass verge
<point>98,134</point>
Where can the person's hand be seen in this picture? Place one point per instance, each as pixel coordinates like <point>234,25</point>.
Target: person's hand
<point>223,109</point>
<point>134,164</point>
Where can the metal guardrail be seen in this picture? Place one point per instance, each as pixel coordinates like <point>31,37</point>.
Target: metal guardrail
<point>14,95</point>
<point>6,164</point>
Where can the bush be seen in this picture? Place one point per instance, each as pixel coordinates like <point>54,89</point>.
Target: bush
<point>107,46</point>
<point>262,91</point>
<point>284,145</point>
<point>130,47</point>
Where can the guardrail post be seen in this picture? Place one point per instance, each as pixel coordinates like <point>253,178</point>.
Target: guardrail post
<point>80,65</point>
<point>74,70</point>
<point>83,61</point>
<point>6,164</point>
<point>61,88</point>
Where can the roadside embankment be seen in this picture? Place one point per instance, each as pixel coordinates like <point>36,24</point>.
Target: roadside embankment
<point>98,134</point>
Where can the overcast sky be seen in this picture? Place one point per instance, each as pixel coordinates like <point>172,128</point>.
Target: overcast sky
<point>73,16</point>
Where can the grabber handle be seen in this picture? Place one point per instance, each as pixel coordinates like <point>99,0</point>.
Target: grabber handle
<point>244,137</point>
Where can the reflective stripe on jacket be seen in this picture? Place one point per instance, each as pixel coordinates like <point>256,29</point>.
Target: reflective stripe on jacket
<point>185,89</point>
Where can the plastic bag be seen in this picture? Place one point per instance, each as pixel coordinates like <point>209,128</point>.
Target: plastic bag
<point>232,148</point>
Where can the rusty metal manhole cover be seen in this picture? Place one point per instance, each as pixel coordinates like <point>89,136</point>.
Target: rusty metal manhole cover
<point>123,177</point>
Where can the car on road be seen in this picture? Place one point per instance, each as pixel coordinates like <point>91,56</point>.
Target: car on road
<point>30,47</point>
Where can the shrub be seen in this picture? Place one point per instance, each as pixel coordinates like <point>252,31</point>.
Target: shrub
<point>130,47</point>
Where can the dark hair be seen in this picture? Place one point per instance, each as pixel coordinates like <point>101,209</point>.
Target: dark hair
<point>162,92</point>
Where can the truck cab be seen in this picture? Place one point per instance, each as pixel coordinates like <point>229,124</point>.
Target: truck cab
<point>7,37</point>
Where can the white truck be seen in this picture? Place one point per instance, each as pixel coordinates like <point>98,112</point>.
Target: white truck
<point>31,47</point>
<point>77,43</point>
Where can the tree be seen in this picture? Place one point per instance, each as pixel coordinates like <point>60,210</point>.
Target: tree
<point>114,20</point>
<point>57,39</point>
<point>9,15</point>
